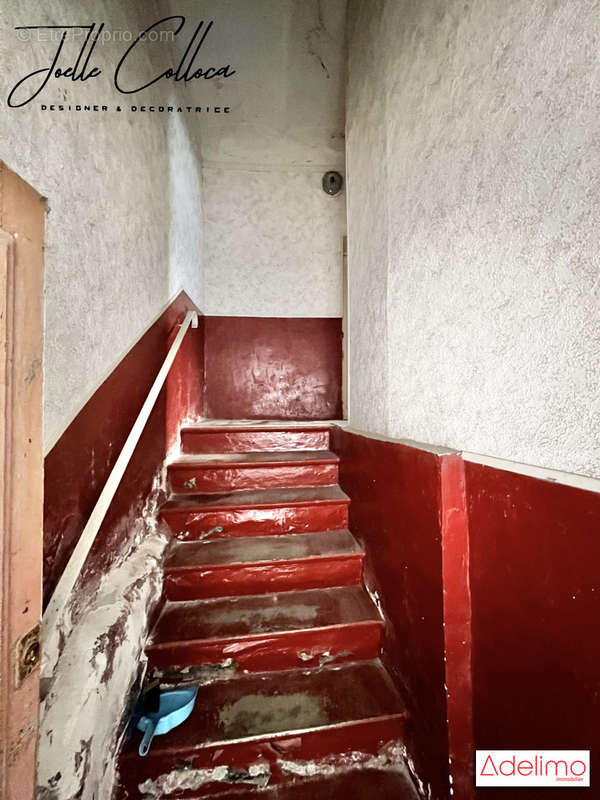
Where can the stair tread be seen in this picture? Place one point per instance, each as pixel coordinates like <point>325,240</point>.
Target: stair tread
<point>257,615</point>
<point>234,426</point>
<point>261,549</point>
<point>260,498</point>
<point>262,457</point>
<point>266,704</point>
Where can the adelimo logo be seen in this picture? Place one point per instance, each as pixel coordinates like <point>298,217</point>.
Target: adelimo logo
<point>559,768</point>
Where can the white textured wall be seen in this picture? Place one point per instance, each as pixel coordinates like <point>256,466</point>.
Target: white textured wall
<point>124,231</point>
<point>274,244</point>
<point>273,237</point>
<point>474,225</point>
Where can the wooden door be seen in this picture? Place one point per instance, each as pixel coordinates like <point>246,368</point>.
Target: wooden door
<point>22,213</point>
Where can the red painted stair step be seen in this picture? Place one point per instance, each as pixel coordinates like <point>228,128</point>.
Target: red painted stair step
<point>261,564</point>
<point>268,632</point>
<point>265,719</point>
<point>249,438</point>
<point>227,472</point>
<point>257,512</point>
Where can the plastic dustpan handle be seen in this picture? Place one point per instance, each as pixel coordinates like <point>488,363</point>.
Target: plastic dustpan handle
<point>147,738</point>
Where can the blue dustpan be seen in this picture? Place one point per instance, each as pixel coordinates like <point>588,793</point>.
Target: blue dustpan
<point>174,708</point>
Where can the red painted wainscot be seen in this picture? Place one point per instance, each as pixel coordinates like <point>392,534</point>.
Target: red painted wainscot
<point>535,594</point>
<point>495,572</point>
<point>78,465</point>
<point>394,513</point>
<point>273,368</point>
<point>457,625</point>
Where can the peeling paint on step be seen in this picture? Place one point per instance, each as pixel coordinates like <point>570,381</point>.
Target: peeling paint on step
<point>326,657</point>
<point>259,620</point>
<point>257,714</point>
<point>303,656</point>
<point>202,537</point>
<point>179,780</point>
<point>392,757</point>
<point>200,675</point>
<point>374,595</point>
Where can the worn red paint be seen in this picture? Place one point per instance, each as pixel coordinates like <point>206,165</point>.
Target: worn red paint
<point>535,588</point>
<point>360,710</point>
<point>261,549</point>
<point>185,383</point>
<point>243,616</point>
<point>289,638</point>
<point>457,625</point>
<point>261,564</point>
<point>248,439</point>
<point>273,368</point>
<point>395,491</point>
<point>78,465</point>
<point>276,651</point>
<point>277,511</point>
<point>226,476</point>
<point>242,579</point>
<point>368,736</point>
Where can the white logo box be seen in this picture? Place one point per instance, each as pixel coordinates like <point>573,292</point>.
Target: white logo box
<point>557,768</point>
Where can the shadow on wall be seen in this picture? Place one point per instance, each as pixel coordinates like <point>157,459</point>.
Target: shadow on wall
<point>394,513</point>
<point>186,236</point>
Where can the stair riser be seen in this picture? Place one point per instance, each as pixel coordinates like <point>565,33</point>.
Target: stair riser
<point>244,579</point>
<point>225,479</point>
<point>309,517</point>
<point>368,736</point>
<point>250,441</point>
<point>274,651</point>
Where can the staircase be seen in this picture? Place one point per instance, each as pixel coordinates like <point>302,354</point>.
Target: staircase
<point>265,611</point>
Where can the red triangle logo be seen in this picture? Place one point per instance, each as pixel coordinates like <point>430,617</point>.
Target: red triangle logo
<point>488,774</point>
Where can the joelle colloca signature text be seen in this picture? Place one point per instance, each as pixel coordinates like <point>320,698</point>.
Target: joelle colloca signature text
<point>188,69</point>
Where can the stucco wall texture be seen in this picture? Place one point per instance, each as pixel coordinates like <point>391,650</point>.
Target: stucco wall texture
<point>124,228</point>
<point>473,154</point>
<point>273,237</point>
<point>128,195</point>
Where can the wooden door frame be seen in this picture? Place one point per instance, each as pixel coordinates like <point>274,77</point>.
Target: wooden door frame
<point>345,331</point>
<point>22,216</point>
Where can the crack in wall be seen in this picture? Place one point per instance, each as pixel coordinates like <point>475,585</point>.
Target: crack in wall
<point>314,39</point>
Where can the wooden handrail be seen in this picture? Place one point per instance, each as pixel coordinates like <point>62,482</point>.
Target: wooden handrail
<point>65,585</point>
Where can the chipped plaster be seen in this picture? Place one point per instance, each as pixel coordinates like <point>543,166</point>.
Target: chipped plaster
<point>94,666</point>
